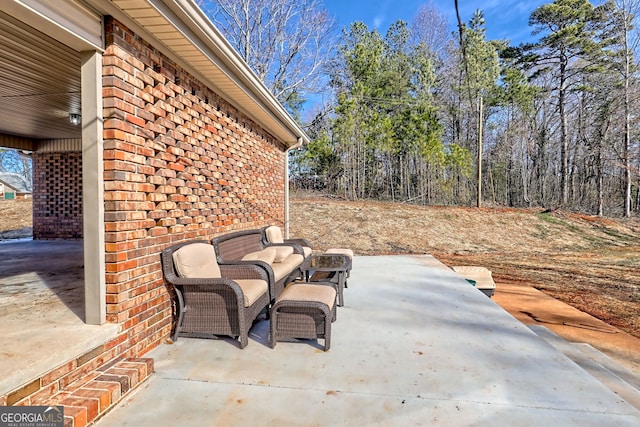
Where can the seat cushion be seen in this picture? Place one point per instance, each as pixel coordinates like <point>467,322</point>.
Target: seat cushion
<point>307,251</point>
<point>282,269</point>
<point>308,292</point>
<point>274,234</point>
<point>267,255</point>
<point>340,251</point>
<point>252,289</point>
<point>196,261</point>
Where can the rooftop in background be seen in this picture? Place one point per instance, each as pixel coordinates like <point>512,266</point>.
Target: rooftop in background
<point>15,181</point>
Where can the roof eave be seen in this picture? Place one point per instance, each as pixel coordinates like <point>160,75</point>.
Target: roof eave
<point>201,48</point>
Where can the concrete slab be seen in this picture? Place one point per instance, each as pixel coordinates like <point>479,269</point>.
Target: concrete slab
<point>535,308</point>
<point>617,378</point>
<point>415,344</point>
<point>42,310</point>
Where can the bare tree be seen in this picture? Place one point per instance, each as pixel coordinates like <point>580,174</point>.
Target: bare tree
<point>430,29</point>
<point>286,42</point>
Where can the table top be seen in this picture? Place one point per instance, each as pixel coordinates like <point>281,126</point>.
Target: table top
<point>326,262</point>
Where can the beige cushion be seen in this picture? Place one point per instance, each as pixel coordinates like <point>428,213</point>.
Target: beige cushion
<point>196,261</point>
<point>274,235</point>
<point>307,251</point>
<point>282,252</point>
<point>252,289</point>
<point>340,251</point>
<point>267,255</point>
<point>303,292</point>
<point>481,275</point>
<point>282,269</point>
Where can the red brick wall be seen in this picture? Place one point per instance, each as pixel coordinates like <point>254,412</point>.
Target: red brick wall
<point>57,195</point>
<point>180,163</point>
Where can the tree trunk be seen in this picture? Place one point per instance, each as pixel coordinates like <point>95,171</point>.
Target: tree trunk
<point>480,120</point>
<point>564,144</point>
<point>627,131</point>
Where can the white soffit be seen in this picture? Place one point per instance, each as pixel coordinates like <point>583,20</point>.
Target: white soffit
<point>39,82</point>
<point>69,21</point>
<point>183,29</point>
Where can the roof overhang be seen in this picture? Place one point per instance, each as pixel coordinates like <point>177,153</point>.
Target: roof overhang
<point>181,30</point>
<point>69,21</point>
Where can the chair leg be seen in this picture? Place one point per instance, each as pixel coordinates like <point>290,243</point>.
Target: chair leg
<point>272,329</point>
<point>327,330</point>
<point>244,340</point>
<point>181,309</point>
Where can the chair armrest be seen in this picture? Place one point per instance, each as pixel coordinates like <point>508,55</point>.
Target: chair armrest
<point>243,271</point>
<point>265,270</point>
<point>217,283</point>
<point>301,242</point>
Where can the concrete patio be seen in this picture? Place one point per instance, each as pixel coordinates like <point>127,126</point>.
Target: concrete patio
<point>415,344</point>
<point>42,309</point>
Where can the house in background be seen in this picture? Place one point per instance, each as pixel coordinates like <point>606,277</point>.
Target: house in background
<point>14,186</point>
<point>146,129</point>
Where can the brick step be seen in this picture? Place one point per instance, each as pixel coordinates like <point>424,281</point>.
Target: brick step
<point>90,397</point>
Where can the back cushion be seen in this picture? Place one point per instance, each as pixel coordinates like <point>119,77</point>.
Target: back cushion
<point>274,235</point>
<point>267,255</point>
<point>282,253</point>
<point>196,261</point>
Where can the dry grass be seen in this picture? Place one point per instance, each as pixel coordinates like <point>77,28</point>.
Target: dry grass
<point>15,218</point>
<point>589,262</point>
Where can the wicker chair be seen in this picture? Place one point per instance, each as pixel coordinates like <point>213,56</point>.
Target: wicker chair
<point>213,299</point>
<point>272,235</point>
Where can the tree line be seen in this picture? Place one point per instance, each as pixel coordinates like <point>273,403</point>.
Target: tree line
<point>425,115</point>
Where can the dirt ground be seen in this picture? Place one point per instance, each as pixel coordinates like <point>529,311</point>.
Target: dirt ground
<point>577,274</point>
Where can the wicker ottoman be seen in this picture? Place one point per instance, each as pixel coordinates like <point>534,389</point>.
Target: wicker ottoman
<point>304,310</point>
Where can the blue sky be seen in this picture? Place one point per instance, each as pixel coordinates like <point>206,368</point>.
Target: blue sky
<point>505,19</point>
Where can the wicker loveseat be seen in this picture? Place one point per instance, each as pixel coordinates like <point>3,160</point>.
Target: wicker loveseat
<point>281,262</point>
<point>213,299</point>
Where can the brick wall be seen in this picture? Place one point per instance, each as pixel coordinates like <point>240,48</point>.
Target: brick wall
<point>180,163</point>
<point>57,195</point>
